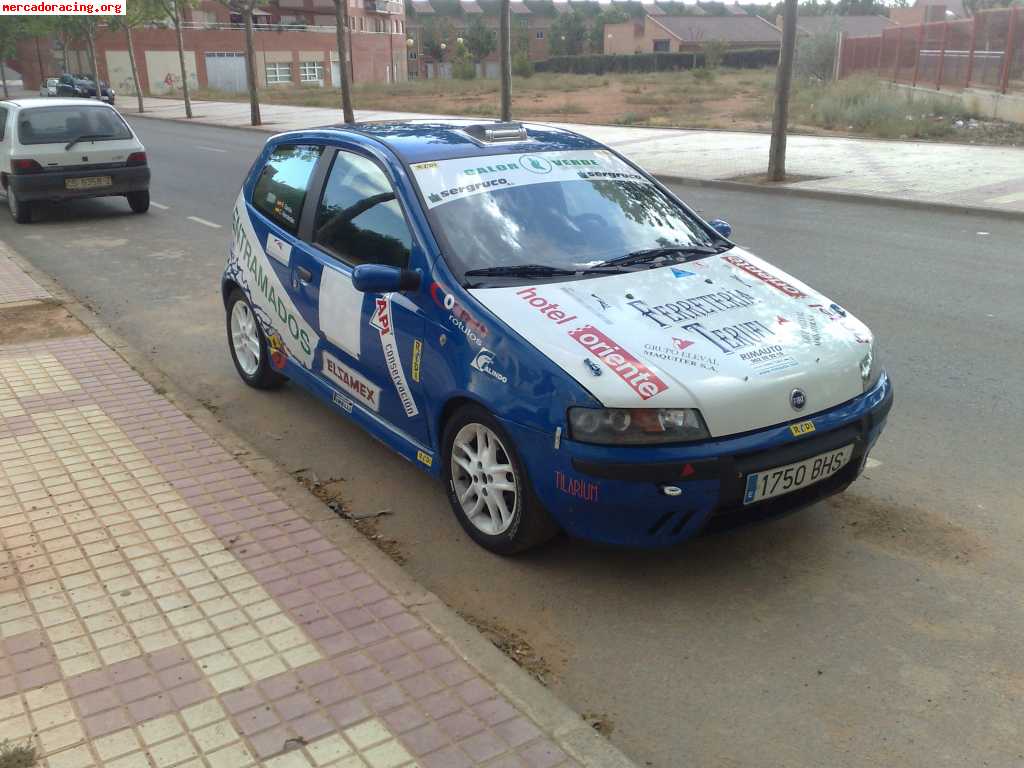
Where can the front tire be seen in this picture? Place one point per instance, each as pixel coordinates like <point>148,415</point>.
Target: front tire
<point>20,212</point>
<point>249,349</point>
<point>139,201</point>
<point>487,485</point>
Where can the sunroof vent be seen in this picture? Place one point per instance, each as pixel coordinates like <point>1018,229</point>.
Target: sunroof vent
<point>494,133</point>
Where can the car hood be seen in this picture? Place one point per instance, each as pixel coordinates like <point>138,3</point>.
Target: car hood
<point>728,334</point>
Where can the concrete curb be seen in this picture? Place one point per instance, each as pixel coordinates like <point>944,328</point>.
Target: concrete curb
<point>566,727</point>
<point>815,194</point>
<point>844,197</point>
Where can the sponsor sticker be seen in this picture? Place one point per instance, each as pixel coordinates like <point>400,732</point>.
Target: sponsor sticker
<point>768,359</point>
<point>459,317</point>
<point>484,362</point>
<point>417,358</point>
<point>803,428</point>
<point>343,401</point>
<point>381,320</point>
<point>765,277</point>
<point>446,180</point>
<point>550,309</point>
<point>278,249</point>
<point>363,390</point>
<point>729,338</point>
<point>676,272</point>
<point>584,490</point>
<point>693,308</point>
<point>634,373</point>
<point>424,458</point>
<point>679,355</point>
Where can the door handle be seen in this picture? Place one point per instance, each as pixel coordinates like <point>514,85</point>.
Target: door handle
<point>305,276</point>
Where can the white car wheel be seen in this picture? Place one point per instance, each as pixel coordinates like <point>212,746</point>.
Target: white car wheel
<point>484,479</point>
<point>244,338</point>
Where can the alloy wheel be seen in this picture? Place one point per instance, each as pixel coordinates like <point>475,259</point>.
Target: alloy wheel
<point>484,479</point>
<point>244,338</point>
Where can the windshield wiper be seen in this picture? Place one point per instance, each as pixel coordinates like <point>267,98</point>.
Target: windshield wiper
<point>84,136</point>
<point>653,254</point>
<point>536,270</point>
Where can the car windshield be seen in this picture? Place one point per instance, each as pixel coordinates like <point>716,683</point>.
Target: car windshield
<point>59,125</point>
<point>564,211</point>
<point>52,81</point>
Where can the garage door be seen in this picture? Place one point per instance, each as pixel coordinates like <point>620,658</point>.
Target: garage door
<point>226,71</point>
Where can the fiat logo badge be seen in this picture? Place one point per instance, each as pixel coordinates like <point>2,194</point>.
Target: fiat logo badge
<point>797,399</point>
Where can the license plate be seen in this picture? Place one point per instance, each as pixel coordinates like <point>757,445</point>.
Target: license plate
<point>87,182</point>
<point>793,477</point>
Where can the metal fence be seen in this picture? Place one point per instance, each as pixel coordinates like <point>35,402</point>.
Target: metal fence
<point>986,51</point>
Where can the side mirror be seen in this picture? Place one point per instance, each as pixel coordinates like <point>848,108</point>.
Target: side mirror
<point>721,227</point>
<point>380,278</point>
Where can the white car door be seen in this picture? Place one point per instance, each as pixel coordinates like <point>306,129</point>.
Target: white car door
<point>5,138</point>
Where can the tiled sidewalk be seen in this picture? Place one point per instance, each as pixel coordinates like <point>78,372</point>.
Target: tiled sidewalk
<point>15,285</point>
<point>159,607</point>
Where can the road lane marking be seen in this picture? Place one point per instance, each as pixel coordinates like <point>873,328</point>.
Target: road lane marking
<point>204,222</point>
<point>210,149</point>
<point>1011,198</point>
<point>158,205</point>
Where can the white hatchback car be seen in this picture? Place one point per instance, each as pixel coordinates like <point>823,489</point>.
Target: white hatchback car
<point>56,149</point>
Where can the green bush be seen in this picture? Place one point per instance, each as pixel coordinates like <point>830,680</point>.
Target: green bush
<point>816,56</point>
<point>600,64</point>
<point>463,66</point>
<point>521,65</point>
<point>714,51</point>
<point>704,75</point>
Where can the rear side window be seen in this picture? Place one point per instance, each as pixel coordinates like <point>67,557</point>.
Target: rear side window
<point>54,125</point>
<point>3,123</point>
<point>281,187</point>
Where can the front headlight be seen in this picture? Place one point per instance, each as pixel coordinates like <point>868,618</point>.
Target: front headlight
<point>870,368</point>
<point>636,426</point>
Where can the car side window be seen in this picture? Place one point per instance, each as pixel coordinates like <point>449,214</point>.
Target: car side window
<point>3,123</point>
<point>359,219</point>
<point>281,187</point>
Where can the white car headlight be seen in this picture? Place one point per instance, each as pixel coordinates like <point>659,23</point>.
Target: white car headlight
<point>636,426</point>
<point>870,367</point>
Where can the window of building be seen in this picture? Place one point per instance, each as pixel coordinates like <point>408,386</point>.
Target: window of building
<point>281,187</point>
<point>311,72</point>
<point>279,72</point>
<point>359,220</point>
<point>540,34</point>
<point>412,55</point>
<point>661,46</point>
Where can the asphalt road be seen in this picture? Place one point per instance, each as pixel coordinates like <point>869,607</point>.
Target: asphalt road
<point>883,627</point>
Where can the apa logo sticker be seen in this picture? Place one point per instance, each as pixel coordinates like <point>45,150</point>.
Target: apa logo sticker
<point>381,320</point>
<point>484,361</point>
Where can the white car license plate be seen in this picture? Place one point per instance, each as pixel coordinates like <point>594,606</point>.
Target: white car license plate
<point>792,477</point>
<point>87,182</point>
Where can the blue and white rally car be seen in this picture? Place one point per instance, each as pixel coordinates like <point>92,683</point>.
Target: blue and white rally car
<point>524,313</point>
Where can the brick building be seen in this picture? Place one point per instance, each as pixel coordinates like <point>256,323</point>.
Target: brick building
<point>295,44</point>
<point>654,34</point>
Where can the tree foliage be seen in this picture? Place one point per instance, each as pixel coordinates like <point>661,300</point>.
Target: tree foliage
<point>480,39</point>
<point>568,34</point>
<point>435,33</point>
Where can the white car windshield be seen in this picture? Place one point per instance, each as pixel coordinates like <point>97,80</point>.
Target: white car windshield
<point>53,125</point>
<point>562,210</point>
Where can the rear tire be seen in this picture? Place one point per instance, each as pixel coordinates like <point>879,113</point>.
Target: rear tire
<point>139,201</point>
<point>249,349</point>
<point>487,485</point>
<point>20,212</point>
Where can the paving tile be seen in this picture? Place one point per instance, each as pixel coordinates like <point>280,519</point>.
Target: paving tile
<point>177,614</point>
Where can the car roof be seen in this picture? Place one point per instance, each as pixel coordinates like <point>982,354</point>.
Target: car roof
<point>41,101</point>
<point>416,141</point>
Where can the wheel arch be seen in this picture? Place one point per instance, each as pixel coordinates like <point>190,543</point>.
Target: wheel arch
<point>227,286</point>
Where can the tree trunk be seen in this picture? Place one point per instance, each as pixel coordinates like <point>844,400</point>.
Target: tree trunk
<point>90,41</point>
<point>135,72</point>
<point>250,67</point>
<point>3,76</point>
<point>341,20</point>
<point>783,79</point>
<point>181,60</point>
<point>39,59</point>
<point>505,58</point>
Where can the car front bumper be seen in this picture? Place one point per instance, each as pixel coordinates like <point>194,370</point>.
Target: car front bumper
<point>617,495</point>
<point>50,185</point>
